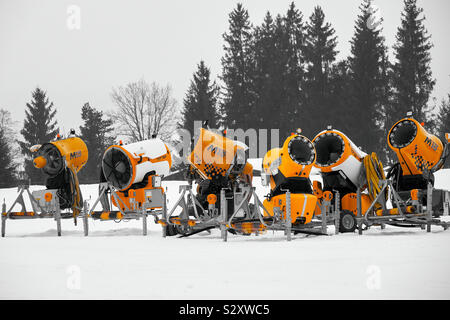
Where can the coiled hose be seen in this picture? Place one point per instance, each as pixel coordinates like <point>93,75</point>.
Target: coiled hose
<point>374,173</point>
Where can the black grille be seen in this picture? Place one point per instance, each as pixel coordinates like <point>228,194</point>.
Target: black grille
<point>117,168</point>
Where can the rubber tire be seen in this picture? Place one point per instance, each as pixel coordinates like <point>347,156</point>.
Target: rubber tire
<point>171,230</point>
<point>345,228</point>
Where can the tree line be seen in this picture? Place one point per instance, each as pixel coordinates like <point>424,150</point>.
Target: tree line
<point>141,111</point>
<point>285,74</point>
<point>281,74</point>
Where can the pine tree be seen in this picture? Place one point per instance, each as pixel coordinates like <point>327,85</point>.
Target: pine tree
<point>7,165</point>
<point>39,127</point>
<point>442,122</point>
<point>201,100</point>
<point>237,65</point>
<point>293,44</point>
<point>278,71</point>
<point>319,53</point>
<point>340,90</point>
<point>95,132</point>
<point>413,82</point>
<point>267,74</point>
<point>368,81</point>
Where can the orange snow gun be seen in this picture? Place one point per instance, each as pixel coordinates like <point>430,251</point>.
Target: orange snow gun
<point>420,154</point>
<point>288,169</point>
<point>61,160</point>
<point>135,171</point>
<point>344,168</point>
<point>52,157</point>
<point>417,150</point>
<point>218,162</point>
<point>219,167</point>
<point>216,157</point>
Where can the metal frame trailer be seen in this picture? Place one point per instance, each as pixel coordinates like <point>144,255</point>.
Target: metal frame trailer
<point>134,212</point>
<point>421,216</point>
<point>218,217</point>
<point>45,205</point>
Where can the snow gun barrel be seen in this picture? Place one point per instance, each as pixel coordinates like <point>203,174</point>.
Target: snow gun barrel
<point>216,157</point>
<point>417,150</point>
<point>52,157</point>
<point>288,169</point>
<point>125,165</point>
<point>337,153</point>
<point>294,159</point>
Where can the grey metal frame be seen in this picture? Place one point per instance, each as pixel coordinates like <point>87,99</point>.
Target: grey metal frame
<point>220,220</point>
<point>128,214</point>
<point>39,212</point>
<point>420,219</point>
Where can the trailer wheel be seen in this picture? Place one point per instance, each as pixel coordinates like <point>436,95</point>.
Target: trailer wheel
<point>347,222</point>
<point>171,230</point>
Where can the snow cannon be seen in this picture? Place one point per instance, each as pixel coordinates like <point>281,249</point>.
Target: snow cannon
<point>53,157</point>
<point>60,161</point>
<point>126,165</point>
<point>223,177</point>
<point>345,168</point>
<point>417,150</point>
<point>420,154</point>
<point>339,160</point>
<point>215,157</point>
<point>286,170</point>
<point>216,163</point>
<point>130,181</point>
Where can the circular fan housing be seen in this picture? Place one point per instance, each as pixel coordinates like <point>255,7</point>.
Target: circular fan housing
<point>402,134</point>
<point>117,167</point>
<point>301,150</point>
<point>329,148</point>
<point>55,161</point>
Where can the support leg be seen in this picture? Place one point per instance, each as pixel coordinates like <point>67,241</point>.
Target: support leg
<point>288,217</point>
<point>58,222</point>
<point>4,217</point>
<point>144,223</point>
<point>85,225</point>
<point>164,216</point>
<point>85,219</point>
<point>3,226</point>
<point>337,212</point>
<point>359,211</point>
<point>324,218</point>
<point>429,206</point>
<point>223,213</point>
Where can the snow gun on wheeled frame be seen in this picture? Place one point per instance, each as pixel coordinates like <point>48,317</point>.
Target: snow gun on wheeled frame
<point>420,154</point>
<point>356,189</point>
<point>344,169</point>
<point>60,161</point>
<point>131,176</point>
<point>218,167</point>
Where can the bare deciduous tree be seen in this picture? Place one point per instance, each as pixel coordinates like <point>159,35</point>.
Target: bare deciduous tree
<point>9,129</point>
<point>144,110</point>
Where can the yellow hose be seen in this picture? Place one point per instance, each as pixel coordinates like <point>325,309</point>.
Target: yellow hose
<point>374,173</point>
<point>74,184</point>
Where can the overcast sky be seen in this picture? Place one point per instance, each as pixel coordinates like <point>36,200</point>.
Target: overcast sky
<point>162,41</point>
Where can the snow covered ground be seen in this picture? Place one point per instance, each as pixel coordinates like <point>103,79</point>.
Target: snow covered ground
<point>116,261</point>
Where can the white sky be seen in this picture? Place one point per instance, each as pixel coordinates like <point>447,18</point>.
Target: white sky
<point>162,41</point>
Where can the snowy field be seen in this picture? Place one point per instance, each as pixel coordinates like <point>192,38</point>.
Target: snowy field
<point>116,262</point>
